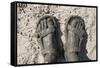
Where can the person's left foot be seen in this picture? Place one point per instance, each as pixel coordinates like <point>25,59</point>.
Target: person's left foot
<point>46,36</point>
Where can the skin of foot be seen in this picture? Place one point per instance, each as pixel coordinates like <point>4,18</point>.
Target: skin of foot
<point>47,39</point>
<point>74,36</point>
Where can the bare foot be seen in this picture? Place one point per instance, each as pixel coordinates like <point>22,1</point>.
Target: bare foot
<point>75,29</point>
<point>45,31</point>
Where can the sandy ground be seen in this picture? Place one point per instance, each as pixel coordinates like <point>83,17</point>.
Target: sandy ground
<point>28,50</point>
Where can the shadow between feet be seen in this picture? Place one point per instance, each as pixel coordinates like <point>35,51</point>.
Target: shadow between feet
<point>61,57</point>
<point>83,51</point>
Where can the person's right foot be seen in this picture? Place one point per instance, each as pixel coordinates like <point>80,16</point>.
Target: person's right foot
<point>75,29</point>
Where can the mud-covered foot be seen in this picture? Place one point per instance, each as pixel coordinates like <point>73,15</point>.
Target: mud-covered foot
<point>75,29</point>
<point>45,32</point>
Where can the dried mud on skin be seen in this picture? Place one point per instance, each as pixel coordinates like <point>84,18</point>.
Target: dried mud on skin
<point>28,50</point>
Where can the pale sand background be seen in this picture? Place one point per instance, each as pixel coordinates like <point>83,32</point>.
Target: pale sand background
<point>28,49</point>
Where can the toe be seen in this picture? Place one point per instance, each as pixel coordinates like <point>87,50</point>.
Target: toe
<point>41,25</point>
<point>45,23</point>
